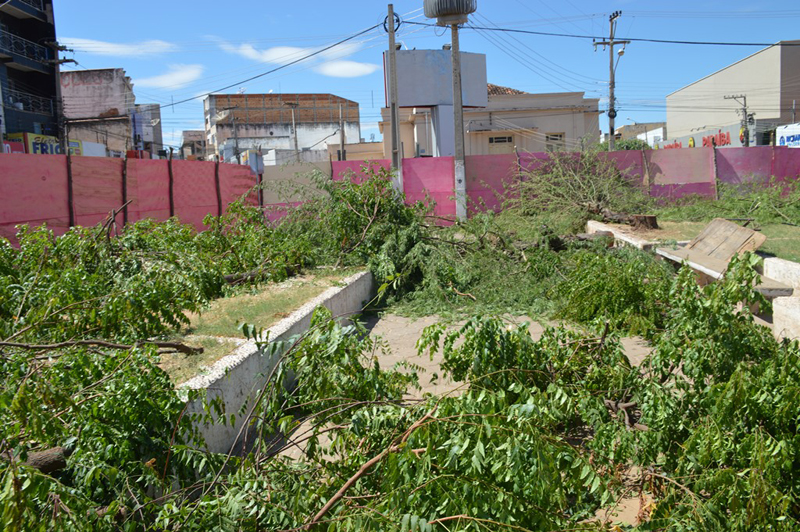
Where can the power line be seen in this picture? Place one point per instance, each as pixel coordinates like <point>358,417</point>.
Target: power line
<point>633,39</point>
<point>276,69</point>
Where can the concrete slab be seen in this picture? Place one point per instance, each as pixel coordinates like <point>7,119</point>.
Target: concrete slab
<point>783,271</point>
<point>786,318</point>
<point>237,379</point>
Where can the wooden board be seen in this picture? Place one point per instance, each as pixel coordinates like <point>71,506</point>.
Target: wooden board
<point>716,268</point>
<point>723,240</point>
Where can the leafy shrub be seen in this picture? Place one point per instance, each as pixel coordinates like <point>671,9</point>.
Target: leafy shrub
<point>625,287</point>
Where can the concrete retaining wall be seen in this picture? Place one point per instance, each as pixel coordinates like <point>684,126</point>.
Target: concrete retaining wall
<point>783,271</point>
<point>238,378</point>
<point>786,318</point>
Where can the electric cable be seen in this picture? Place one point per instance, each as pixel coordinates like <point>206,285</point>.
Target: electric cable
<point>632,39</point>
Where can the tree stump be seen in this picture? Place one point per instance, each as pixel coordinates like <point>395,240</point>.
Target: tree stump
<point>644,222</point>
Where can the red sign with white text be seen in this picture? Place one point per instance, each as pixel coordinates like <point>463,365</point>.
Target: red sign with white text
<point>13,147</point>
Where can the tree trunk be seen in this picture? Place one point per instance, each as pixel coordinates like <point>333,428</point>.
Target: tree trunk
<point>644,222</point>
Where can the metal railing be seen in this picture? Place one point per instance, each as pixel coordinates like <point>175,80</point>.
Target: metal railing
<point>14,44</point>
<point>22,101</point>
<point>34,3</point>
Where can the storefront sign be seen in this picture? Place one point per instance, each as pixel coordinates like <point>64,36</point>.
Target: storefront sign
<point>720,139</point>
<point>788,136</point>
<point>45,144</point>
<point>13,147</point>
<point>673,145</point>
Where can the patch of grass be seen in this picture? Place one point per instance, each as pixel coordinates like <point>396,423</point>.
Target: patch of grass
<point>181,367</point>
<point>262,308</point>
<point>783,241</point>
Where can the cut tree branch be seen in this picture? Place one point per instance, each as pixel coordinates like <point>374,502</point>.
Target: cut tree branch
<point>395,447</point>
<point>181,348</point>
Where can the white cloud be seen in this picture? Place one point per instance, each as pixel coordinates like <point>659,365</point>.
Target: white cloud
<point>334,66</point>
<point>137,49</point>
<point>279,55</point>
<point>346,69</point>
<point>176,77</point>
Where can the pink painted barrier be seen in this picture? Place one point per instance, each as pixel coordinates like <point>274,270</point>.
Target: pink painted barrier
<point>355,169</point>
<point>668,193</point>
<point>33,191</point>
<point>431,177</point>
<point>786,164</point>
<point>148,188</point>
<point>97,189</point>
<point>486,179</point>
<point>745,165</point>
<point>630,163</point>
<point>681,167</point>
<point>195,192</point>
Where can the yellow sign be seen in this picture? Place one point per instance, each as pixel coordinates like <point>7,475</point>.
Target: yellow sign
<point>691,142</point>
<point>45,144</point>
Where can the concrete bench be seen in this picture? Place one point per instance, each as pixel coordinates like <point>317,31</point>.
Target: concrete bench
<point>710,253</point>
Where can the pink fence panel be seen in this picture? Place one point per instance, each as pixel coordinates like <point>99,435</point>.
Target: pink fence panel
<point>342,169</point>
<point>434,178</point>
<point>531,161</point>
<point>33,191</point>
<point>630,163</point>
<point>237,181</point>
<point>786,163</point>
<point>675,192</point>
<point>195,194</point>
<point>744,165</point>
<point>681,166</point>
<point>487,176</point>
<point>148,187</point>
<point>97,186</point>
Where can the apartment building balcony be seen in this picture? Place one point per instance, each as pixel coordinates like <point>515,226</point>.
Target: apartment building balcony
<point>25,9</point>
<point>22,101</point>
<point>22,54</point>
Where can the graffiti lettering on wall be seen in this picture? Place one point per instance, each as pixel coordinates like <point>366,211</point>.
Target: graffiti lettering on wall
<point>79,79</point>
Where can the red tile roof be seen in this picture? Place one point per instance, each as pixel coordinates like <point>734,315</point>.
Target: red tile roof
<point>497,90</point>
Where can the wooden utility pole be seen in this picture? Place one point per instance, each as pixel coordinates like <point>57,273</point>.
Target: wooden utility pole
<point>397,157</point>
<point>612,84</point>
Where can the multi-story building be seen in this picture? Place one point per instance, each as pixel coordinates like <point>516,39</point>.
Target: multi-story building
<point>193,145</point>
<point>152,138</point>
<point>297,124</point>
<point>100,106</point>
<point>28,75</point>
<point>741,104</point>
<point>512,121</point>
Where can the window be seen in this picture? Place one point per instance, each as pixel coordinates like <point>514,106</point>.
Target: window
<point>554,141</point>
<point>501,140</point>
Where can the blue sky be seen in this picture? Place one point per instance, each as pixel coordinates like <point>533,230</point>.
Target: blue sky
<point>178,49</point>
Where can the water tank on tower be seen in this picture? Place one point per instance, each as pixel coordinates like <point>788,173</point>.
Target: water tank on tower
<point>450,12</point>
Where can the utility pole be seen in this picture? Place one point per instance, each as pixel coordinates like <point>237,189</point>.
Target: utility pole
<point>458,102</point>
<point>342,152</point>
<point>294,105</point>
<point>59,110</point>
<point>746,117</point>
<point>235,138</point>
<point>397,157</point>
<point>612,85</point>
